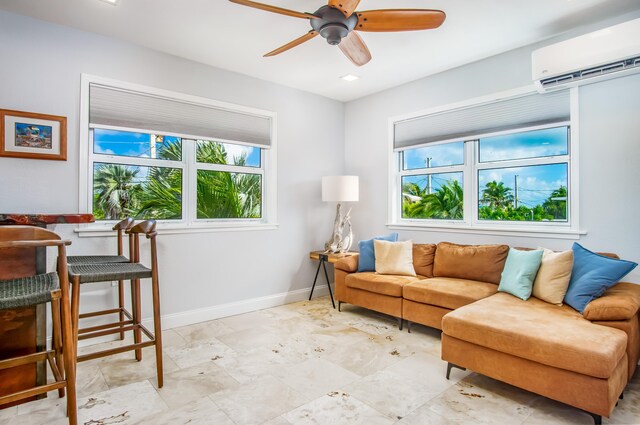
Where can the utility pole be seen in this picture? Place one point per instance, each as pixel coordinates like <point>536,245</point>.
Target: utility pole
<point>516,192</point>
<point>428,161</point>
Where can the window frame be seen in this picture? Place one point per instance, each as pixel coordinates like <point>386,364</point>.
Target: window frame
<point>471,167</point>
<point>189,221</point>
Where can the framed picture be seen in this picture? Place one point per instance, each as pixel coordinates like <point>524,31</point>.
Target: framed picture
<point>29,135</point>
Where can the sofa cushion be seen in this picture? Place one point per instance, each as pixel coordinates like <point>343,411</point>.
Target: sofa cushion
<point>423,256</point>
<point>593,274</point>
<point>621,302</point>
<point>473,262</point>
<point>519,272</point>
<point>395,258</point>
<point>367,260</point>
<point>553,335</point>
<point>448,292</point>
<point>380,284</point>
<point>553,276</point>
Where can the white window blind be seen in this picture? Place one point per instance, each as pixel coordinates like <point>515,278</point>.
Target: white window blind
<point>523,111</point>
<point>110,106</point>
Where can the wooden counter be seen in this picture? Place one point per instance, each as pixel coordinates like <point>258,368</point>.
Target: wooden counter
<point>23,330</point>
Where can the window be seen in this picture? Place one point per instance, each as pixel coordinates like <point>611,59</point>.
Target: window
<point>512,172</point>
<point>146,160</point>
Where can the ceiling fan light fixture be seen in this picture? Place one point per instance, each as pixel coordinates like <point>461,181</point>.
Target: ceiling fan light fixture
<point>350,77</point>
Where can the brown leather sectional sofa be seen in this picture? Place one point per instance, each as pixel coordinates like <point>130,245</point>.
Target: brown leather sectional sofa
<point>584,360</point>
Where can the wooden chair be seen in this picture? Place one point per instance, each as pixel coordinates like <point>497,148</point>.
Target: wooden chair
<point>134,271</point>
<point>39,289</point>
<point>121,228</point>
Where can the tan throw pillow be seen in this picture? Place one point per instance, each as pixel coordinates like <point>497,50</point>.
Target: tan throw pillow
<point>553,276</point>
<point>394,257</point>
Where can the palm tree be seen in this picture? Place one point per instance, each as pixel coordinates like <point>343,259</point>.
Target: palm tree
<point>556,205</point>
<point>496,195</point>
<point>114,190</point>
<point>445,203</point>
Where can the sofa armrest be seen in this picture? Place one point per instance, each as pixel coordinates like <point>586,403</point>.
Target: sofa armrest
<point>348,264</point>
<point>620,302</point>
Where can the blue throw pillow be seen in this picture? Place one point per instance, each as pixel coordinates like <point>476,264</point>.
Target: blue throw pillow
<point>592,275</point>
<point>367,260</point>
<point>519,272</point>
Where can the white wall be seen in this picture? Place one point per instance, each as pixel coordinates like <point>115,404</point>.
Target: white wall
<point>40,72</point>
<point>608,143</point>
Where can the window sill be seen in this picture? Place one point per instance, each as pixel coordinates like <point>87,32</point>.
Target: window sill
<point>557,233</point>
<point>177,229</point>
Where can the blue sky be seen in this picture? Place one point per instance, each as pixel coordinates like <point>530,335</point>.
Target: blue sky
<point>122,143</point>
<point>535,183</point>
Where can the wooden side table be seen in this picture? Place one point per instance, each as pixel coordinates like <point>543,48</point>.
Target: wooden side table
<point>323,258</point>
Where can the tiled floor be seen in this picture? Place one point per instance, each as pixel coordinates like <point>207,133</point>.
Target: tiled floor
<point>302,363</point>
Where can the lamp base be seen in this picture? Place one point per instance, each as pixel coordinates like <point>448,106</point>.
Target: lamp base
<point>340,243</point>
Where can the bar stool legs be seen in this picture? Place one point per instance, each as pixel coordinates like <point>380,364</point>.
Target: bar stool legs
<point>136,310</point>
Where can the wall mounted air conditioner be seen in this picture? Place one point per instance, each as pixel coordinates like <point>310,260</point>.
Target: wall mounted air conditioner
<point>609,53</point>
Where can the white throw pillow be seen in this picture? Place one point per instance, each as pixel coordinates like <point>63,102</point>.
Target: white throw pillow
<point>394,257</point>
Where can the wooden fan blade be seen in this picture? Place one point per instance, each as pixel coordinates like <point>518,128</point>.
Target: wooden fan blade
<point>399,20</point>
<point>345,6</point>
<point>275,9</point>
<point>308,36</point>
<point>354,48</point>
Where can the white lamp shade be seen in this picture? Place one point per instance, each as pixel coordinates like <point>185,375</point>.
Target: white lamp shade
<point>340,189</point>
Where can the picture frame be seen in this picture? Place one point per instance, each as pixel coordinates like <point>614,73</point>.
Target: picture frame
<point>32,135</point>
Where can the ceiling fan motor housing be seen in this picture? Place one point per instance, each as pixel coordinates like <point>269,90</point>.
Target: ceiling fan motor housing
<point>333,25</point>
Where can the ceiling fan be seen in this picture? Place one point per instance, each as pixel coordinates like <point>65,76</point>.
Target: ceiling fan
<point>338,22</point>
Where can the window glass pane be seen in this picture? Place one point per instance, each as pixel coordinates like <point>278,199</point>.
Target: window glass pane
<point>433,156</point>
<point>141,192</point>
<point>227,153</point>
<point>137,145</point>
<point>229,195</point>
<point>534,193</point>
<point>528,144</point>
<point>435,196</point>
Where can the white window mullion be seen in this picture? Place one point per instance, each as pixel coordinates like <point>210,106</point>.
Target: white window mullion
<point>229,168</point>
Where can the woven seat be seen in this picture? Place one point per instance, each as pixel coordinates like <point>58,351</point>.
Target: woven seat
<point>87,273</point>
<point>96,259</point>
<point>28,291</point>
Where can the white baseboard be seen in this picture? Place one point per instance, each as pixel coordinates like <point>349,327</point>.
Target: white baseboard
<point>190,317</point>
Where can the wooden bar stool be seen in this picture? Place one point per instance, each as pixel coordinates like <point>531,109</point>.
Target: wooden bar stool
<point>134,271</point>
<point>72,260</point>
<point>39,289</point>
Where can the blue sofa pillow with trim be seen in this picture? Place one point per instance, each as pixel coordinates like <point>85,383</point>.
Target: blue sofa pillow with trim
<point>592,275</point>
<point>367,260</point>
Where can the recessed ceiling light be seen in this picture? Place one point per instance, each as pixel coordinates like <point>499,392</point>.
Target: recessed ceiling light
<point>350,77</point>
<point>111,2</point>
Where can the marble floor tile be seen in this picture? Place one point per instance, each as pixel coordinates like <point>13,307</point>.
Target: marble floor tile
<point>202,331</point>
<point>188,385</point>
<point>89,379</point>
<point>258,401</point>
<point>427,369</point>
<point>336,408</point>
<point>200,412</point>
<point>484,400</point>
<point>124,404</point>
<point>248,320</point>
<point>198,352</point>
<point>8,413</point>
<point>123,369</point>
<point>425,416</point>
<point>314,377</point>
<point>357,359</point>
<point>391,394</point>
<point>253,364</point>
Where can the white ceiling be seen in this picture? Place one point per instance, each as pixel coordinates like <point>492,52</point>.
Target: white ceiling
<point>233,37</point>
